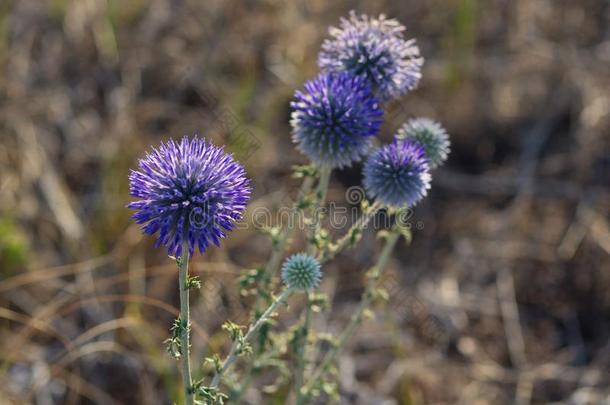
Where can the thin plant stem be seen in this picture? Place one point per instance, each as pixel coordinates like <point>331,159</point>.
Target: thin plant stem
<point>236,347</point>
<point>346,239</point>
<point>320,198</point>
<point>356,319</point>
<point>304,335</point>
<point>278,251</point>
<point>273,265</point>
<point>279,248</point>
<point>185,319</point>
<point>301,346</point>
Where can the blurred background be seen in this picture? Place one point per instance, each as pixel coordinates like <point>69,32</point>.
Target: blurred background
<point>501,298</point>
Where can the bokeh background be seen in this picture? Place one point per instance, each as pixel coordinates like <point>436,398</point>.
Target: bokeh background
<point>501,298</point>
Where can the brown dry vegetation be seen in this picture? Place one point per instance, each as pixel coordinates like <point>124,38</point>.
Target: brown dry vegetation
<point>502,296</point>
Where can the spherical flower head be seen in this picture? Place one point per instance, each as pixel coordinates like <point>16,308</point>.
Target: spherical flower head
<point>188,191</point>
<point>430,135</point>
<point>397,174</point>
<point>373,48</point>
<point>334,118</point>
<point>302,272</point>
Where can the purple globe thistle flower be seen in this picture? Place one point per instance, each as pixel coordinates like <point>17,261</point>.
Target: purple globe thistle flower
<point>397,174</point>
<point>375,49</point>
<point>334,118</point>
<point>190,191</point>
<point>430,135</point>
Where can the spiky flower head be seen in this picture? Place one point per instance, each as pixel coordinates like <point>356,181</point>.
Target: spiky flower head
<point>334,118</point>
<point>301,271</point>
<point>397,174</point>
<point>373,48</point>
<point>430,135</point>
<point>188,191</point>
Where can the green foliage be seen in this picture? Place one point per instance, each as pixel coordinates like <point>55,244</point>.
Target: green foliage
<point>215,362</point>
<point>302,171</point>
<point>4,30</point>
<point>205,395</point>
<point>193,282</point>
<point>249,280</point>
<point>57,10</point>
<point>275,233</point>
<point>284,352</point>
<point>236,335</point>
<point>322,387</point>
<point>13,247</point>
<point>122,13</point>
<point>320,240</point>
<point>404,229</point>
<point>174,342</point>
<point>318,301</point>
<point>459,39</point>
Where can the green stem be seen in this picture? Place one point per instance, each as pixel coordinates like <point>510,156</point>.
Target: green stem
<point>320,198</point>
<point>301,346</point>
<point>183,271</point>
<point>314,229</point>
<point>356,319</point>
<point>235,348</point>
<point>347,239</point>
<point>273,265</point>
<point>278,249</point>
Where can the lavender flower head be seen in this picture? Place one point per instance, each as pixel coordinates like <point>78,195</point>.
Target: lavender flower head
<point>190,191</point>
<point>373,48</point>
<point>334,118</point>
<point>397,174</point>
<point>430,135</point>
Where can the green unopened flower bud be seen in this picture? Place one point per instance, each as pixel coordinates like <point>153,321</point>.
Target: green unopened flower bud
<point>301,271</point>
<point>430,135</point>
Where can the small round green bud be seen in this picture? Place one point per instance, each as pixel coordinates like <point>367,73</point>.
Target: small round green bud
<point>430,135</point>
<point>301,271</point>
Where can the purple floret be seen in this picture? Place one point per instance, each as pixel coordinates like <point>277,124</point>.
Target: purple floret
<point>373,48</point>
<point>334,118</point>
<point>397,175</point>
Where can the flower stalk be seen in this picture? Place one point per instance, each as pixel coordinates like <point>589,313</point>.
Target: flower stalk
<point>237,346</point>
<point>352,235</point>
<point>374,276</point>
<point>282,242</point>
<point>185,320</point>
<point>320,198</point>
<point>303,333</point>
<point>277,253</point>
<point>301,352</point>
